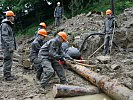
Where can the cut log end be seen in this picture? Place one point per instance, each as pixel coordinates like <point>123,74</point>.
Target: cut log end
<point>110,87</point>
<point>60,90</point>
<point>55,90</point>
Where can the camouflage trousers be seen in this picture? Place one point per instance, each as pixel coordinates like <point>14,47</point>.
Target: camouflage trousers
<point>7,62</point>
<point>107,43</point>
<point>57,21</point>
<point>49,67</point>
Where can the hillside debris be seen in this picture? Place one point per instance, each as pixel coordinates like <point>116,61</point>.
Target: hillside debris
<point>84,24</point>
<point>104,59</point>
<point>115,66</point>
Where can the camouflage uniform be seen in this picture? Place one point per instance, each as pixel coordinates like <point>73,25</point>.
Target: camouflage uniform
<point>36,45</point>
<point>8,45</point>
<point>58,15</point>
<point>49,54</point>
<point>108,30</point>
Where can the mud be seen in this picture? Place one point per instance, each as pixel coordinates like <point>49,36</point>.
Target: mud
<point>26,87</point>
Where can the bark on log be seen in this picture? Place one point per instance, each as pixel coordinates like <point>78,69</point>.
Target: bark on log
<point>110,87</point>
<point>60,90</point>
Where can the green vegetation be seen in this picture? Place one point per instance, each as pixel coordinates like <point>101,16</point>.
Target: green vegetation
<point>30,30</point>
<point>102,6</point>
<point>29,13</point>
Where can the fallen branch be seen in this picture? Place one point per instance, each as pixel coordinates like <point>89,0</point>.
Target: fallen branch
<point>110,87</point>
<point>82,64</point>
<point>96,51</point>
<point>60,90</point>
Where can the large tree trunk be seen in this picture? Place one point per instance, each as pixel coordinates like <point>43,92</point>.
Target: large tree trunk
<point>60,90</point>
<point>110,87</point>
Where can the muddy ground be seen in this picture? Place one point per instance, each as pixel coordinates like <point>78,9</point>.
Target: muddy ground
<point>26,87</point>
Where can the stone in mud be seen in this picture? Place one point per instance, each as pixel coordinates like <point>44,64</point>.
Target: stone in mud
<point>127,61</point>
<point>104,59</point>
<point>115,66</point>
<point>130,74</point>
<point>90,45</point>
<point>131,98</point>
<point>27,63</point>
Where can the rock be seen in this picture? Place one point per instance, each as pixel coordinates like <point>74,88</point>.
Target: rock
<point>91,44</point>
<point>103,59</point>
<point>130,46</point>
<point>131,98</point>
<point>27,63</point>
<point>30,96</point>
<point>130,74</point>
<point>115,66</point>
<point>130,34</point>
<point>127,61</point>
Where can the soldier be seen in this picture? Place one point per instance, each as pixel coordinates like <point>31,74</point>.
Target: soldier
<point>71,51</point>
<point>35,47</point>
<point>108,30</point>
<point>50,53</point>
<point>58,14</point>
<point>8,44</point>
<point>42,25</point>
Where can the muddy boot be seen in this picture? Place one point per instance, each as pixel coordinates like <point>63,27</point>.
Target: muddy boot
<point>38,77</point>
<point>64,82</point>
<point>41,89</point>
<point>10,78</point>
<point>39,73</point>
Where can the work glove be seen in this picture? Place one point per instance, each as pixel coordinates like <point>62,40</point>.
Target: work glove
<point>62,58</point>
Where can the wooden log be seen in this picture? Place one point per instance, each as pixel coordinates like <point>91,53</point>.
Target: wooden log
<point>82,64</point>
<point>111,87</point>
<point>60,90</point>
<point>80,61</point>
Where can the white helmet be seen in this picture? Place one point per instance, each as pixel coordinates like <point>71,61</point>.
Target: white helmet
<point>58,3</point>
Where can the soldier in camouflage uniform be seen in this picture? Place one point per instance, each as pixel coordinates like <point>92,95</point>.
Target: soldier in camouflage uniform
<point>8,44</point>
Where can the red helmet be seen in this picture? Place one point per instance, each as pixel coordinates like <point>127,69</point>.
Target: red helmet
<point>10,13</point>
<point>63,35</point>
<point>43,24</point>
<point>43,32</point>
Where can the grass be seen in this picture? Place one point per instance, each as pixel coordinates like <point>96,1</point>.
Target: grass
<point>30,30</point>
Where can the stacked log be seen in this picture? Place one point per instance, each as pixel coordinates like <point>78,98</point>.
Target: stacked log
<point>110,87</point>
<point>60,90</point>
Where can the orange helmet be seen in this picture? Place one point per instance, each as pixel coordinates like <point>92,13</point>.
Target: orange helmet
<point>43,24</point>
<point>108,12</point>
<point>63,35</point>
<point>43,32</point>
<point>10,13</point>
